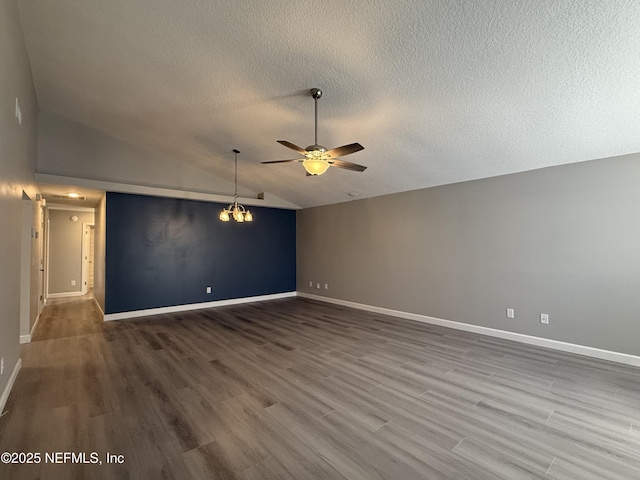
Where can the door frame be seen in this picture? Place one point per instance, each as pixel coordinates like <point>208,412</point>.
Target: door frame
<point>26,255</point>
<point>42,281</point>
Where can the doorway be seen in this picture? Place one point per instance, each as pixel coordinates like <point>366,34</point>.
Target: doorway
<point>31,264</point>
<point>26,256</point>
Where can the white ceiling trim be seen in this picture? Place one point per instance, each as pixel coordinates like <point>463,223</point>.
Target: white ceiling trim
<point>70,208</point>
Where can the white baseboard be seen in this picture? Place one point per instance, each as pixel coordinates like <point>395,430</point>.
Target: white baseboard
<point>65,294</point>
<point>492,332</point>
<point>27,338</point>
<point>9,386</point>
<point>194,306</point>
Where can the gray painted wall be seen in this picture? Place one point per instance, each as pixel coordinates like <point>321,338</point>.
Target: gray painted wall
<point>17,167</point>
<point>563,240</point>
<point>99,249</point>
<point>65,250</point>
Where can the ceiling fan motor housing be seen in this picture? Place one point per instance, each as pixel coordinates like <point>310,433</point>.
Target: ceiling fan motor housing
<point>316,148</point>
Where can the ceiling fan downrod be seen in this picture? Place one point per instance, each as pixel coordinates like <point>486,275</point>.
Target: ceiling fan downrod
<point>316,93</point>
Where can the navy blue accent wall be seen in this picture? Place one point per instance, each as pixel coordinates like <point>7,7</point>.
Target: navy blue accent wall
<point>164,251</point>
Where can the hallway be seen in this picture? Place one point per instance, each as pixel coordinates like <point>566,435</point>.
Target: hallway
<point>62,399</point>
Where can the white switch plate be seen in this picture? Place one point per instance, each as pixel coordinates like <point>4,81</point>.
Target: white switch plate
<point>2,366</point>
<point>511,313</point>
<point>326,286</point>
<point>208,289</point>
<point>544,318</point>
<point>317,285</point>
<point>311,284</point>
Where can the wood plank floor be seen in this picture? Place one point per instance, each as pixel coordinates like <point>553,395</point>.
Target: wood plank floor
<point>297,389</point>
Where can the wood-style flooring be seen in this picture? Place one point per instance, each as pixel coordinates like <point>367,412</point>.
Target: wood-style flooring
<point>298,389</point>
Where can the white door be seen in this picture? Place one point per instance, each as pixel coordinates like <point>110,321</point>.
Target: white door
<point>87,257</point>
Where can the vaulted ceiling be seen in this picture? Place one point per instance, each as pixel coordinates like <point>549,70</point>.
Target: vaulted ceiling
<point>437,91</point>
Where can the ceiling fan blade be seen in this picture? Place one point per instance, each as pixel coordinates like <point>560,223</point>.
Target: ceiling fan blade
<point>345,150</point>
<point>283,161</point>
<point>347,165</point>
<point>301,151</point>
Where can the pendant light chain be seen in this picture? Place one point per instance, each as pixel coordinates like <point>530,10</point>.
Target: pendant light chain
<point>234,210</point>
<point>235,179</point>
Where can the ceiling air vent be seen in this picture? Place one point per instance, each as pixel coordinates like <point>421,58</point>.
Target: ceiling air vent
<point>67,197</point>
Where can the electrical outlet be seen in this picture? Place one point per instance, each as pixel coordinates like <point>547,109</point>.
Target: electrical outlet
<point>2,366</point>
<point>208,289</point>
<point>326,286</point>
<point>511,313</point>
<point>317,285</point>
<point>544,318</point>
<point>311,284</point>
<point>73,282</point>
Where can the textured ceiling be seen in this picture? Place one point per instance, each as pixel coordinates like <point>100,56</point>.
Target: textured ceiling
<point>437,91</point>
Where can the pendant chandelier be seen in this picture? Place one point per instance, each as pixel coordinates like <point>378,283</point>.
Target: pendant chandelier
<point>234,210</point>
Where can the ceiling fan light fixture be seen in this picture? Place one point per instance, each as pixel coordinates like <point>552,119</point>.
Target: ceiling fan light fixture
<point>317,158</point>
<point>315,166</point>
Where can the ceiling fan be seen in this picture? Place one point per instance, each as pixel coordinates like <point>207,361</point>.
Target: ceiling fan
<point>317,158</point>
